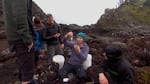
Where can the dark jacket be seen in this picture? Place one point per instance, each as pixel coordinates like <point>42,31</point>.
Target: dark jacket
<point>18,20</point>
<point>49,31</point>
<point>118,71</point>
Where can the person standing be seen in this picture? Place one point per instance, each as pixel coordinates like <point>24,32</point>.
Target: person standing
<point>39,43</point>
<point>52,36</point>
<point>18,21</point>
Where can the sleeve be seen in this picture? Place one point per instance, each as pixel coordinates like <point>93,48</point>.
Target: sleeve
<point>101,67</point>
<point>128,76</point>
<point>21,13</point>
<point>60,31</point>
<point>84,53</point>
<point>68,43</point>
<point>44,33</point>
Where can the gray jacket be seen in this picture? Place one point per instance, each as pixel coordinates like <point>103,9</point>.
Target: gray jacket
<point>48,34</point>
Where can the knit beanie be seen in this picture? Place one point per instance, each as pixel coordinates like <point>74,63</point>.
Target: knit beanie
<point>82,35</point>
<point>113,51</point>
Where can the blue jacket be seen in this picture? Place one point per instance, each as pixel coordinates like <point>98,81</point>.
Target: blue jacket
<point>77,58</point>
<point>38,44</point>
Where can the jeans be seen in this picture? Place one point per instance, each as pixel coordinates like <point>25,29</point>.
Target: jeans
<point>77,70</point>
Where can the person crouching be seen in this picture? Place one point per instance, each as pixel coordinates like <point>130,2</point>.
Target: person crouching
<point>115,69</point>
<point>80,50</point>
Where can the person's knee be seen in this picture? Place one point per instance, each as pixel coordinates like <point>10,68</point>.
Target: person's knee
<point>80,72</point>
<point>63,73</point>
<point>81,75</point>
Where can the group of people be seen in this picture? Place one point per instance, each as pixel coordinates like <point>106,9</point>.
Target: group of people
<point>26,38</point>
<point>50,32</point>
<point>47,32</point>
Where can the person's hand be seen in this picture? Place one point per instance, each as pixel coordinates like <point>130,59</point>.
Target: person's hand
<point>69,34</point>
<point>77,48</point>
<point>104,54</point>
<point>103,79</point>
<point>27,82</point>
<point>57,35</point>
<point>62,46</point>
<point>30,47</point>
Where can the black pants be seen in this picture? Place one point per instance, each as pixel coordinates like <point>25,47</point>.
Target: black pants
<point>36,56</point>
<point>25,61</point>
<point>77,70</point>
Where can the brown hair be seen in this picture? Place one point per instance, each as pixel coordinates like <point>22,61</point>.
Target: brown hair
<point>36,20</point>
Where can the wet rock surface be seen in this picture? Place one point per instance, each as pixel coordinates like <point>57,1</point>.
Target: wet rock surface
<point>136,50</point>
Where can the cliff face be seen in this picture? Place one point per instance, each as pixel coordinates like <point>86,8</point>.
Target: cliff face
<point>114,18</point>
<point>37,11</point>
<point>128,20</point>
